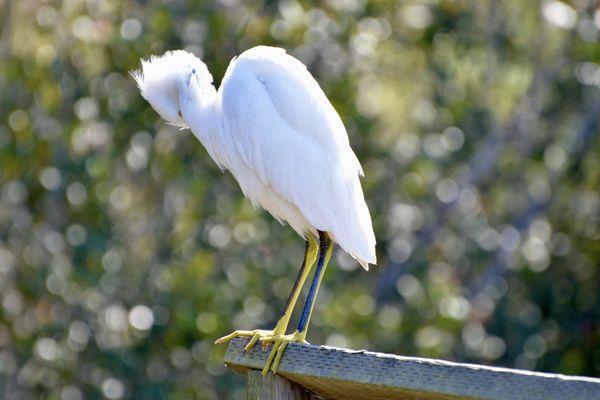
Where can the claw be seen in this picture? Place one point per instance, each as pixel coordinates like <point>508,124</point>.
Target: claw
<point>235,334</point>
<point>267,366</point>
<point>279,345</point>
<point>251,343</point>
<point>280,342</point>
<point>280,351</point>
<point>255,333</point>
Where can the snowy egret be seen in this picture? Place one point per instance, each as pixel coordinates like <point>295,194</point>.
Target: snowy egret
<point>272,127</point>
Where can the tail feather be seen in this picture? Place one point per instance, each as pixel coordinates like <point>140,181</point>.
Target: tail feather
<point>352,226</point>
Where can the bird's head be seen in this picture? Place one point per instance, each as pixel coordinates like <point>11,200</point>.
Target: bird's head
<point>167,81</point>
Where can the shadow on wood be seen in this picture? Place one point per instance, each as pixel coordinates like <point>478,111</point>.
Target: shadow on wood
<point>274,387</point>
<point>334,373</point>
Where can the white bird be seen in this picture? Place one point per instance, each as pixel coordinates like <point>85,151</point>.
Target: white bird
<point>272,127</point>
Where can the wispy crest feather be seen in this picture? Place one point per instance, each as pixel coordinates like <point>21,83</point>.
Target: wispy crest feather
<point>162,81</point>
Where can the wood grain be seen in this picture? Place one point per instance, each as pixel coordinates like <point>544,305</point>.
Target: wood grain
<point>274,387</point>
<point>335,373</point>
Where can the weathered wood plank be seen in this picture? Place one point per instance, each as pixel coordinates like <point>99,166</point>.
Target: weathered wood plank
<point>274,387</point>
<point>343,374</point>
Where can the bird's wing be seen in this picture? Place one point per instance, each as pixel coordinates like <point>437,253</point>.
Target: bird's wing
<point>284,129</point>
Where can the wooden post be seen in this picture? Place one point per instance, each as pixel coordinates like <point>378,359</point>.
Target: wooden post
<point>332,373</point>
<point>273,387</point>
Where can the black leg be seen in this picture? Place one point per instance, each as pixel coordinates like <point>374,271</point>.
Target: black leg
<point>325,248</point>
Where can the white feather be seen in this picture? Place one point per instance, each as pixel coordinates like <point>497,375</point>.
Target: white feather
<point>272,126</point>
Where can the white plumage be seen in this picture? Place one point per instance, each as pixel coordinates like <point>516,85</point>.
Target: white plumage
<point>272,127</point>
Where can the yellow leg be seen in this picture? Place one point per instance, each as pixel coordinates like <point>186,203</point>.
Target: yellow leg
<point>327,248</point>
<point>280,343</point>
<point>310,257</point>
<point>277,336</point>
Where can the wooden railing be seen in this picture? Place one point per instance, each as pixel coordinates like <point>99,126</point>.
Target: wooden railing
<point>321,372</point>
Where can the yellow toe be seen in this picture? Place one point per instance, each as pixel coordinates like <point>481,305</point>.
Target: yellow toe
<point>266,337</point>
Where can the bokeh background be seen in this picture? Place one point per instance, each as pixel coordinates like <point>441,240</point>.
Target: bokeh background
<point>124,251</point>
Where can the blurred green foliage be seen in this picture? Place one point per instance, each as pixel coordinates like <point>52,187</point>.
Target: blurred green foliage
<point>124,252</point>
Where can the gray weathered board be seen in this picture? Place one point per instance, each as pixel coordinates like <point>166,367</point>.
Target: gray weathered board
<point>335,373</point>
<point>274,387</point>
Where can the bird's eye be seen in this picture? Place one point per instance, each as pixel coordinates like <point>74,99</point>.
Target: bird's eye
<point>193,70</point>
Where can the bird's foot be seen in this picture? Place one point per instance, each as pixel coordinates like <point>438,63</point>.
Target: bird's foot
<point>279,340</point>
<point>256,335</point>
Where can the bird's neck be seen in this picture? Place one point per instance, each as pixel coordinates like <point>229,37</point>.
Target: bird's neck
<point>199,111</point>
